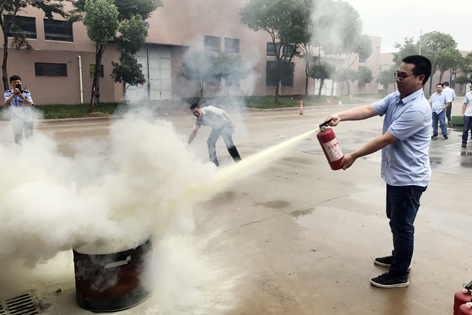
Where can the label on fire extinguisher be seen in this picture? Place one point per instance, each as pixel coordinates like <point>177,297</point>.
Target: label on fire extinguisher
<point>334,150</point>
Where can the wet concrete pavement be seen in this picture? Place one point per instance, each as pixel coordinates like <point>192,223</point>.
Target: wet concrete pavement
<point>304,238</point>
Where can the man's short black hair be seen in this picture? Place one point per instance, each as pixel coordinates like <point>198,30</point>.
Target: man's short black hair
<point>14,78</point>
<point>422,66</point>
<point>194,105</point>
<point>442,85</point>
<point>446,83</point>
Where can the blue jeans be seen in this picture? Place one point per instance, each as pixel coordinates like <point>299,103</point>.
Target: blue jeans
<point>467,127</point>
<point>403,203</point>
<point>442,119</point>
<point>225,132</point>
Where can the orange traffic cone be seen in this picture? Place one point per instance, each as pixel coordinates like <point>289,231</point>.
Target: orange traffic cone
<point>301,107</point>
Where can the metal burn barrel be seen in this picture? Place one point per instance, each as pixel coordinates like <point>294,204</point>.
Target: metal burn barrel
<point>111,282</point>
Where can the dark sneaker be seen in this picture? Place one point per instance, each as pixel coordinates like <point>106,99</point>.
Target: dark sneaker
<point>385,262</point>
<point>387,281</point>
<point>434,136</point>
<point>445,136</point>
<point>464,144</point>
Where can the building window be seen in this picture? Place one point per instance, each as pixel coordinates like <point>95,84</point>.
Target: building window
<point>232,45</point>
<point>212,43</point>
<point>58,30</point>
<point>92,71</point>
<point>288,50</point>
<point>50,69</point>
<point>22,25</point>
<point>287,74</point>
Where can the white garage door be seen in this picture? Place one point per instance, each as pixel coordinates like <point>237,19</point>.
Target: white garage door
<point>155,60</point>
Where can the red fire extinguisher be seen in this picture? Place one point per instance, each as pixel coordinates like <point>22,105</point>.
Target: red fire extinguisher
<point>330,146</point>
<point>465,309</point>
<point>461,298</point>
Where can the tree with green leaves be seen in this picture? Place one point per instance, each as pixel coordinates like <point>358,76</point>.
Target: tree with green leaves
<point>103,18</point>
<point>101,21</point>
<point>386,77</point>
<point>466,67</point>
<point>132,37</point>
<point>198,66</point>
<point>286,21</point>
<point>462,80</point>
<point>344,76</point>
<point>433,42</point>
<point>338,32</point>
<point>202,66</point>
<point>126,8</point>
<point>447,59</point>
<point>364,76</point>
<point>230,67</point>
<point>9,10</point>
<point>321,71</point>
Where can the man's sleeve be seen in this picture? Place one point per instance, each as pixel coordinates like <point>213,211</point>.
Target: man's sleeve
<point>448,98</point>
<point>28,97</point>
<point>197,125</point>
<point>382,105</point>
<point>7,94</point>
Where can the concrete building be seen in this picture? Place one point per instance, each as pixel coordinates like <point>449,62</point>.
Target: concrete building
<point>59,64</point>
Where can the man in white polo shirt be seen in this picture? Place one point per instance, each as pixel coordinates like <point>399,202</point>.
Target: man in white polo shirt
<point>222,125</point>
<point>405,160</point>
<point>452,96</point>
<point>467,116</point>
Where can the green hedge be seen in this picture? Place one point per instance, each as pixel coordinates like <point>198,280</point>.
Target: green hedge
<point>58,111</point>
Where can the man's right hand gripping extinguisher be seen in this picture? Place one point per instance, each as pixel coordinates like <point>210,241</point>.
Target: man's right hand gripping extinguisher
<point>330,146</point>
<point>461,298</point>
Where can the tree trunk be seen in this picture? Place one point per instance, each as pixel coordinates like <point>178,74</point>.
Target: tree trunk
<point>440,76</point>
<point>307,68</point>
<point>321,87</point>
<point>99,49</point>
<point>430,83</point>
<point>4,64</point>
<point>276,99</point>
<point>348,88</point>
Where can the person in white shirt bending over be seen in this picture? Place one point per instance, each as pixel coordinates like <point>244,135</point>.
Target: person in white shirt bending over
<point>222,125</point>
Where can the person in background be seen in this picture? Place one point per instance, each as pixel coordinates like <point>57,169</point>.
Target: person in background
<point>405,138</point>
<point>439,102</point>
<point>20,103</point>
<point>467,116</point>
<point>452,96</point>
<point>222,125</point>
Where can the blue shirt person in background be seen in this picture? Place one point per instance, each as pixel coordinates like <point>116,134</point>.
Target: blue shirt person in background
<point>439,102</point>
<point>405,161</point>
<point>20,103</point>
<point>467,116</point>
<point>452,96</point>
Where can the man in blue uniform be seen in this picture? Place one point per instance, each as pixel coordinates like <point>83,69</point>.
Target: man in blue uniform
<point>20,103</point>
<point>405,161</point>
<point>439,103</point>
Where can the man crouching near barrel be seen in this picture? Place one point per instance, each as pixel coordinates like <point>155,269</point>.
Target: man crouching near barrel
<point>405,161</point>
